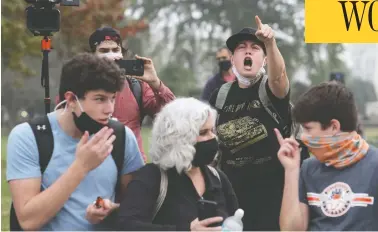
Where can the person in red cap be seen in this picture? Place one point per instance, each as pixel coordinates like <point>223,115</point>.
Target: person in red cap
<point>249,109</point>
<point>107,42</point>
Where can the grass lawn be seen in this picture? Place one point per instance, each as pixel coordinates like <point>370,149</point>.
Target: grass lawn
<point>5,194</point>
<point>371,133</point>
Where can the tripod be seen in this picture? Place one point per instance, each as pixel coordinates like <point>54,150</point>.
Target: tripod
<point>45,48</point>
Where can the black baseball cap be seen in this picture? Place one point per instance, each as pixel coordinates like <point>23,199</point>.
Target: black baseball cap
<point>246,33</point>
<point>102,34</point>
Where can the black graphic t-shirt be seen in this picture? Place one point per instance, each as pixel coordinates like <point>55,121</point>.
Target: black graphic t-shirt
<point>249,154</point>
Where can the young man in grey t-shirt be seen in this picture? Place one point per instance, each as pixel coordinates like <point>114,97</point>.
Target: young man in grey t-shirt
<point>335,188</point>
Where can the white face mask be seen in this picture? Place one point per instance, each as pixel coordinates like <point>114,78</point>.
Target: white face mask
<point>111,55</point>
<point>241,79</point>
<point>247,81</point>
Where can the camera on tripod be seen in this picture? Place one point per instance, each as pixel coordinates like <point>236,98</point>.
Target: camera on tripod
<point>43,18</point>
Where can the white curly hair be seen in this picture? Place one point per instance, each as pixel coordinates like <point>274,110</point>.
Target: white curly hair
<point>175,131</point>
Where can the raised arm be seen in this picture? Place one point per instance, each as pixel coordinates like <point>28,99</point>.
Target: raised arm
<point>155,93</point>
<point>278,80</point>
<point>294,214</point>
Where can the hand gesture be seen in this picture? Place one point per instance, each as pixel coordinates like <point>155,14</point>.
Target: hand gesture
<point>150,75</point>
<point>289,153</point>
<point>95,215</point>
<point>91,153</point>
<point>264,32</point>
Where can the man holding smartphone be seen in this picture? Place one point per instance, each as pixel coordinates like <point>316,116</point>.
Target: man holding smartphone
<point>106,42</point>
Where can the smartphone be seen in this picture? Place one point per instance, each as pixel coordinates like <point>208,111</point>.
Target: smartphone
<point>207,209</point>
<point>132,67</point>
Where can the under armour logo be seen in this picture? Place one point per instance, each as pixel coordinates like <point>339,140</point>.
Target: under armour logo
<point>43,127</point>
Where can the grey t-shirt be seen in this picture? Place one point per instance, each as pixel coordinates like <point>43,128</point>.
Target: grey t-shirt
<point>341,199</point>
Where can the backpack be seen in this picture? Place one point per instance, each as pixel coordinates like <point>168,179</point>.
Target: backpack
<point>136,89</point>
<point>285,125</point>
<point>164,188</point>
<point>45,142</point>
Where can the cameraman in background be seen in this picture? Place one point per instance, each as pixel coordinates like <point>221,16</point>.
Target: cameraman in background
<point>141,95</point>
<point>106,42</point>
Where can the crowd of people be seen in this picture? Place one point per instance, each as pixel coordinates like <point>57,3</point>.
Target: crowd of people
<point>242,145</point>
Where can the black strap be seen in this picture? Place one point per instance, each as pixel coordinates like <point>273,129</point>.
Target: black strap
<point>284,123</point>
<point>118,152</point>
<point>136,89</point>
<point>45,142</point>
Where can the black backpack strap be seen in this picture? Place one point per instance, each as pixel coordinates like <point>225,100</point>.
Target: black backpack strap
<point>45,142</point>
<point>284,124</point>
<point>136,89</point>
<point>118,152</point>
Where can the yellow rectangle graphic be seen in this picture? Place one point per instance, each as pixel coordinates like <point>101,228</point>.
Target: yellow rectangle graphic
<point>337,21</point>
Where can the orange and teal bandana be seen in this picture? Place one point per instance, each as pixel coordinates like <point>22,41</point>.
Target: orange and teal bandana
<point>339,151</point>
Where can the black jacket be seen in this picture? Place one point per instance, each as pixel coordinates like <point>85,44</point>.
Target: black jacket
<point>180,205</point>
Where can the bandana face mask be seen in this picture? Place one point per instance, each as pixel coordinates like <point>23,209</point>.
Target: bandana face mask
<point>339,151</point>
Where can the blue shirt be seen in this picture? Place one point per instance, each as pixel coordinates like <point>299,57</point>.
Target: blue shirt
<point>341,199</point>
<point>23,163</point>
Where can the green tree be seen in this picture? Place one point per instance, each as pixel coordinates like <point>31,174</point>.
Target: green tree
<point>204,21</point>
<point>78,23</point>
<point>16,43</point>
<point>364,92</point>
<point>179,79</point>
<point>214,17</point>
<point>322,59</point>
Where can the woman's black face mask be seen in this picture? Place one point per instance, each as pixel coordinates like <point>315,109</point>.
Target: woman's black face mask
<point>205,152</point>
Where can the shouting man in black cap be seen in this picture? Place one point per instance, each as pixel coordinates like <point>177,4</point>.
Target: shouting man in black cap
<point>249,109</point>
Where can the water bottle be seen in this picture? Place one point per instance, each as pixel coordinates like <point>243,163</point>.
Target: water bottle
<point>234,223</point>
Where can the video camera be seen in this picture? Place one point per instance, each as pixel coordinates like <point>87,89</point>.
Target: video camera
<point>43,18</point>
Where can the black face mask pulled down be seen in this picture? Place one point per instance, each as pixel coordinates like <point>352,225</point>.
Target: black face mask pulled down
<point>205,152</point>
<point>224,65</point>
<point>86,123</point>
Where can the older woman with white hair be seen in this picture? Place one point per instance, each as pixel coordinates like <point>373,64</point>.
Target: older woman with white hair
<point>168,193</point>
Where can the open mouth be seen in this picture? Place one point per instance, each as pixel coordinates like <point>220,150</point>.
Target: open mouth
<point>247,63</point>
